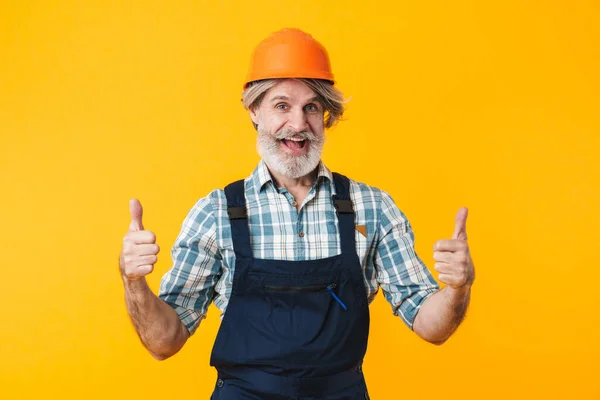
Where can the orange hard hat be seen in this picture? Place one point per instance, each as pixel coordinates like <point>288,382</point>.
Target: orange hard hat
<point>289,53</point>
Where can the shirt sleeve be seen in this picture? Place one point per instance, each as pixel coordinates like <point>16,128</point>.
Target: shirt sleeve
<point>405,280</point>
<point>188,287</point>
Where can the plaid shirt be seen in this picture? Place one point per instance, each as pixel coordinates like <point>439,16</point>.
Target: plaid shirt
<point>204,259</point>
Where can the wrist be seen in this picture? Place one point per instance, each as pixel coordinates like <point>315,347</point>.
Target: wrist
<point>134,284</point>
<point>461,291</point>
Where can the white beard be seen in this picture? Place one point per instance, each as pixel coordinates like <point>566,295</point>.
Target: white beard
<point>268,147</point>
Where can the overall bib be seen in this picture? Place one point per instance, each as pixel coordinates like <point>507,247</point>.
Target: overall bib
<point>293,329</point>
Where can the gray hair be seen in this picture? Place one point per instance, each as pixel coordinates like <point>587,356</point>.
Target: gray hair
<point>330,97</point>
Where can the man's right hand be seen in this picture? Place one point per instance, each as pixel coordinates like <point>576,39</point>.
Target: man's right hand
<point>139,252</point>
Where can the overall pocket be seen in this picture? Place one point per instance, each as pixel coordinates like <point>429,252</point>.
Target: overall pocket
<point>328,287</point>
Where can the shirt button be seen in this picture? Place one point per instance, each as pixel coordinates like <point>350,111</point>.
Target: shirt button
<point>301,234</point>
<point>220,383</point>
<point>294,203</point>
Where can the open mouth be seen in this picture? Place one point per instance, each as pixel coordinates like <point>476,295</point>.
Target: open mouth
<point>294,144</point>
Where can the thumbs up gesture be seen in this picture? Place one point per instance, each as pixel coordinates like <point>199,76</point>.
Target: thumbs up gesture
<point>139,252</point>
<point>453,259</point>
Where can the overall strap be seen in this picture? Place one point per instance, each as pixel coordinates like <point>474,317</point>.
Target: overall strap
<point>345,212</point>
<point>238,217</point>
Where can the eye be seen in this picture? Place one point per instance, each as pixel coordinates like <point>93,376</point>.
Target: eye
<point>311,108</point>
<point>281,106</point>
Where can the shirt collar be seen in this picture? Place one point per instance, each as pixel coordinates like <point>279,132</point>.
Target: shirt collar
<point>261,176</point>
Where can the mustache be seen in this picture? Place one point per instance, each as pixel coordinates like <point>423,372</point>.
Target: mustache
<point>285,133</point>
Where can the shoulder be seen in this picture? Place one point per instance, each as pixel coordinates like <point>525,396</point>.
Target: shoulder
<point>205,209</point>
<point>215,202</point>
<point>371,199</point>
<point>368,195</point>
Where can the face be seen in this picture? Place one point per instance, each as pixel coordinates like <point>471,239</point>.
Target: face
<point>290,128</point>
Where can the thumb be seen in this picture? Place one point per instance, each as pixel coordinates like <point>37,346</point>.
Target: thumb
<point>135,208</point>
<point>460,227</point>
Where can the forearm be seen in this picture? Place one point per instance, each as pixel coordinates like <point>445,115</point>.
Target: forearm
<point>441,314</point>
<point>157,324</point>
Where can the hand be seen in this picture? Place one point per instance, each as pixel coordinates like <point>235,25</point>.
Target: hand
<point>453,259</point>
<point>139,252</point>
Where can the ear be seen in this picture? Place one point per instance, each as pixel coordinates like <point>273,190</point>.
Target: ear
<point>254,115</point>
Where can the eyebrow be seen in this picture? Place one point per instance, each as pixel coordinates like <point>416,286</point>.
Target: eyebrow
<point>282,97</point>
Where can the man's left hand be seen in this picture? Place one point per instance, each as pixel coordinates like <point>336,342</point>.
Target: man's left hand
<point>453,259</point>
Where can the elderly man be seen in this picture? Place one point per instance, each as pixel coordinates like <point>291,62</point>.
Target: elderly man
<point>294,254</point>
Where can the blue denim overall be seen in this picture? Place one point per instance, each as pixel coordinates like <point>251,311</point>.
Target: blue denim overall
<point>293,329</point>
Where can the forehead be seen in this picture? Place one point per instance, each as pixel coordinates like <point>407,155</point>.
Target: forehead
<point>292,89</point>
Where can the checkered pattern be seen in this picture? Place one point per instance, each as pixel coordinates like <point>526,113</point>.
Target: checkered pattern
<point>204,260</point>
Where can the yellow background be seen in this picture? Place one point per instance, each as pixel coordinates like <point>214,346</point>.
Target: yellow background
<point>493,105</point>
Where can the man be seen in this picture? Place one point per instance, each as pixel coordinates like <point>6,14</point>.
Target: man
<point>294,254</point>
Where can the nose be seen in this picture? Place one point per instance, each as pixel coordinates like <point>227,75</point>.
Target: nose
<point>298,121</point>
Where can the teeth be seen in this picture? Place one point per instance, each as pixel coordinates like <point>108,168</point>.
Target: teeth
<point>295,140</point>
